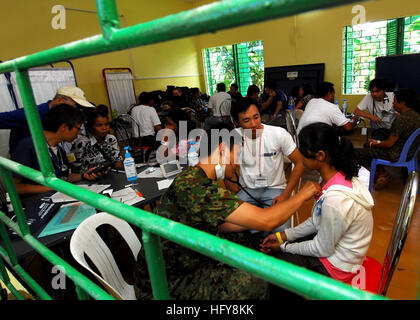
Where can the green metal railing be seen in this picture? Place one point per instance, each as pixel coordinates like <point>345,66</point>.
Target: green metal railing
<point>209,18</point>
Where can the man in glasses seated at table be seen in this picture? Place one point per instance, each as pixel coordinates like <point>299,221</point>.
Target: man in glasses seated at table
<point>61,124</point>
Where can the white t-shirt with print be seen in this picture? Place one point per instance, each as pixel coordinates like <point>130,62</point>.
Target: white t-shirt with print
<point>384,110</point>
<point>320,110</point>
<point>220,103</point>
<point>275,143</point>
<point>147,118</point>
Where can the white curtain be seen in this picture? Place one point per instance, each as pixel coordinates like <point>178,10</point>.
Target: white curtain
<point>120,90</point>
<point>6,104</point>
<point>45,82</point>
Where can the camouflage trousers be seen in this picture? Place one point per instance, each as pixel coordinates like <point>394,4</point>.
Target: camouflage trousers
<point>215,281</point>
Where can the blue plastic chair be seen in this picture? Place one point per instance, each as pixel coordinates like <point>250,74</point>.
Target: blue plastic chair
<point>411,165</point>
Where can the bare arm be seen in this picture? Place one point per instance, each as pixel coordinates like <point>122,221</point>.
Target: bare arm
<point>297,172</point>
<point>278,108</point>
<point>367,115</point>
<point>388,143</point>
<point>29,188</point>
<point>252,217</point>
<point>350,125</point>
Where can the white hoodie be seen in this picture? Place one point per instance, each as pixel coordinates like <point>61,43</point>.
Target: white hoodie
<point>343,223</point>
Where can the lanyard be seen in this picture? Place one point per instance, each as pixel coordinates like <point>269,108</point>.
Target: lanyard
<point>57,160</point>
<point>246,142</point>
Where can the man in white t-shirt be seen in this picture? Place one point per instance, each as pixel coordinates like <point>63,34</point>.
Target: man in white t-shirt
<point>378,107</point>
<point>262,174</point>
<point>149,123</point>
<point>322,109</point>
<point>220,104</point>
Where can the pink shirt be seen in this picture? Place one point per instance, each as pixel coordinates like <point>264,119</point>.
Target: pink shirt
<point>334,272</point>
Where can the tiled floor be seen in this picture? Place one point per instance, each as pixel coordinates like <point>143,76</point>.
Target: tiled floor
<point>404,283</point>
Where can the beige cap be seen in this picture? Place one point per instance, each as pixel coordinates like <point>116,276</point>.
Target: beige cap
<point>76,94</point>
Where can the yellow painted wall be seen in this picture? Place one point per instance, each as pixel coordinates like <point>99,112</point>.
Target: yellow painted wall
<point>312,37</point>
<point>26,28</point>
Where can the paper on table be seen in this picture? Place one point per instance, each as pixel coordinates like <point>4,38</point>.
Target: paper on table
<point>163,184</point>
<point>61,197</point>
<point>127,196</point>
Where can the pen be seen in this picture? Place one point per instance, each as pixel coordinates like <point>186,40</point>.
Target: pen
<point>139,194</point>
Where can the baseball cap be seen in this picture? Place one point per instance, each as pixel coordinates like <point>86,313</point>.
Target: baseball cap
<point>76,94</point>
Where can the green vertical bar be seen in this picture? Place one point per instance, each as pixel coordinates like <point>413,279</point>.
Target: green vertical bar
<point>6,242</point>
<point>34,123</point>
<point>243,65</point>
<point>236,65</point>
<point>155,265</point>
<point>209,73</point>
<point>108,16</point>
<point>6,280</point>
<point>15,200</point>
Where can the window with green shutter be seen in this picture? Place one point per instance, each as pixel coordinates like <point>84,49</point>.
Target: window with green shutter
<point>364,42</point>
<point>241,63</point>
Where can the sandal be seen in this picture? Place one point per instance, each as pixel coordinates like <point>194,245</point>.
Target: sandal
<point>382,181</point>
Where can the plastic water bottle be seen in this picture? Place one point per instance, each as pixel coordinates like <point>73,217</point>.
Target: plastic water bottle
<point>336,103</point>
<point>291,104</point>
<point>345,107</point>
<point>192,155</point>
<point>130,166</point>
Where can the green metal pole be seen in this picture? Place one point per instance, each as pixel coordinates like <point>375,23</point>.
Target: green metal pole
<point>208,18</point>
<point>87,285</point>
<point>15,200</point>
<point>39,291</point>
<point>156,266</point>
<point>108,17</point>
<point>81,294</point>
<point>6,280</point>
<point>310,284</point>
<point>34,123</point>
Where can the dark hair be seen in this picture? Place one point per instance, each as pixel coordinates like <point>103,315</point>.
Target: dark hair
<point>221,87</point>
<point>100,111</point>
<point>194,91</point>
<point>178,115</point>
<point>252,89</point>
<point>339,150</point>
<point>62,114</point>
<point>145,97</point>
<point>409,97</point>
<point>307,89</point>
<point>270,84</point>
<point>234,85</point>
<point>379,83</point>
<point>324,88</point>
<point>239,106</point>
<point>207,145</point>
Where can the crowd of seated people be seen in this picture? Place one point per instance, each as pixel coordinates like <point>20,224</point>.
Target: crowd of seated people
<point>253,209</point>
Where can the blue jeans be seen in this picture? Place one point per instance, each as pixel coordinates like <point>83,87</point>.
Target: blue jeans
<point>266,196</point>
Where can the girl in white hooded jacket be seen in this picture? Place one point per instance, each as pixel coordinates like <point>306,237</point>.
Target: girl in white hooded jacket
<point>335,239</point>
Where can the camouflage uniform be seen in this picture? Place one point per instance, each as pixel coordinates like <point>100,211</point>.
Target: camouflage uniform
<point>195,200</point>
<point>402,127</point>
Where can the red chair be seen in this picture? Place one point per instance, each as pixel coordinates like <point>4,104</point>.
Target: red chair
<point>373,276</point>
<point>368,277</point>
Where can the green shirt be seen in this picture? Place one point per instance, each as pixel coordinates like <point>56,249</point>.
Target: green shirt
<point>402,127</point>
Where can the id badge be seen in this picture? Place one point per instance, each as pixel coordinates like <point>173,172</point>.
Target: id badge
<point>71,157</point>
<point>261,182</point>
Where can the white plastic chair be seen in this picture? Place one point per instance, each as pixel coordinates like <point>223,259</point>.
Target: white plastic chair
<point>86,240</point>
